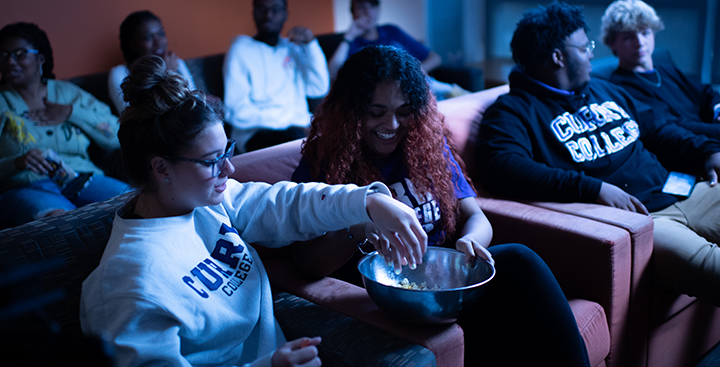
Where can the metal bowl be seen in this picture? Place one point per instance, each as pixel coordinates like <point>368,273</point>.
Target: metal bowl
<point>460,286</point>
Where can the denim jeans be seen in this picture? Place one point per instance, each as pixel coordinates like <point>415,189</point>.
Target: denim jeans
<point>34,201</point>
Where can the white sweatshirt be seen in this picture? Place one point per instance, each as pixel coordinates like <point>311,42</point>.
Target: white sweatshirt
<point>190,291</point>
<point>268,86</point>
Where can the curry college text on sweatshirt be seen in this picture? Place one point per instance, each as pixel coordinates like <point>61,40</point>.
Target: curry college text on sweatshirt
<point>189,290</point>
<point>542,144</point>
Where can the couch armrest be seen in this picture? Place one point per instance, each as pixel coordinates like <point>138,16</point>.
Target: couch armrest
<point>345,338</point>
<point>445,341</point>
<point>601,256</point>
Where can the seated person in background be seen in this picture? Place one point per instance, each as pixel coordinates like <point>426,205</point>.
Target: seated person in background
<point>364,31</point>
<point>560,136</point>
<point>380,123</point>
<point>39,114</point>
<point>142,33</point>
<point>179,284</point>
<point>268,79</point>
<point>629,28</point>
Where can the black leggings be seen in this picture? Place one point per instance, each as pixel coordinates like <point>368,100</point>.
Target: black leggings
<point>524,318</point>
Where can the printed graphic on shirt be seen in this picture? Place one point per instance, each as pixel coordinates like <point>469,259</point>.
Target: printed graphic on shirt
<point>226,270</point>
<point>582,138</point>
<point>15,126</point>
<point>426,208</point>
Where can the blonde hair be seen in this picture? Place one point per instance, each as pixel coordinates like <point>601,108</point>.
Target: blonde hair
<point>628,15</point>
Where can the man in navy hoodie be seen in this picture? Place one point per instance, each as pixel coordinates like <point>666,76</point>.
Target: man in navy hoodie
<point>560,136</point>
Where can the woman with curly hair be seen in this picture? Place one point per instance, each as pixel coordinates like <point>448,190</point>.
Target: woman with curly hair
<point>179,283</point>
<point>46,127</point>
<point>380,122</point>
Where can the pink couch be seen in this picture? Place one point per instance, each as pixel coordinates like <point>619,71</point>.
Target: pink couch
<point>648,326</point>
<point>588,263</point>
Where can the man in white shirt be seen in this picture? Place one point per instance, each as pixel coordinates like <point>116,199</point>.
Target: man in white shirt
<point>268,79</point>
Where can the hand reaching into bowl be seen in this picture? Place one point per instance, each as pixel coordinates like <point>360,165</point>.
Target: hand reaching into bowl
<point>395,225</point>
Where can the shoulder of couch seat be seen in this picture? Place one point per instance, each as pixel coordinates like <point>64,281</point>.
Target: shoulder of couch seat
<point>207,73</point>
<point>78,237</point>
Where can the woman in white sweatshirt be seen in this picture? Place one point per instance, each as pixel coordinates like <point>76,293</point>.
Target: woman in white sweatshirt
<point>179,284</point>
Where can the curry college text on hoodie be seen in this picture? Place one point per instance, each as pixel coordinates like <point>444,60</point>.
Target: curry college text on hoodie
<point>542,144</point>
<point>189,290</point>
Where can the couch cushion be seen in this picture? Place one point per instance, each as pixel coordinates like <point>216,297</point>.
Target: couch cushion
<point>346,341</point>
<point>273,164</point>
<point>593,326</point>
<point>78,237</point>
<point>348,299</point>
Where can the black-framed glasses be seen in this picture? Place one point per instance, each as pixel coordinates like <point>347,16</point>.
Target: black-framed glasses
<point>216,165</point>
<point>18,54</point>
<point>588,47</point>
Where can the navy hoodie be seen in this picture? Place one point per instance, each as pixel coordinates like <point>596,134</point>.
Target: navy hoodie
<point>539,144</point>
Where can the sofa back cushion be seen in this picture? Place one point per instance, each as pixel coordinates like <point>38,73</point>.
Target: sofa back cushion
<point>269,165</point>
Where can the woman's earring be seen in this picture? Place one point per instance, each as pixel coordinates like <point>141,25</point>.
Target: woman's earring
<point>166,180</point>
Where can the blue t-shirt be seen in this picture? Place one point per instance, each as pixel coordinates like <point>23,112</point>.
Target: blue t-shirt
<point>392,169</point>
<point>390,35</point>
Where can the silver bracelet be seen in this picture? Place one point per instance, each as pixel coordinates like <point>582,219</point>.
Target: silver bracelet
<point>365,246</point>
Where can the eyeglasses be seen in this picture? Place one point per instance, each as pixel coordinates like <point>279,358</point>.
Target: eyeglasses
<point>18,54</point>
<point>588,47</point>
<point>216,165</point>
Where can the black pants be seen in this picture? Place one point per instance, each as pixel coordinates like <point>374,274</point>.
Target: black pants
<point>524,318</point>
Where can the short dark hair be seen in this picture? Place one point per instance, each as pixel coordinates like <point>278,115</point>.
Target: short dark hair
<point>543,29</point>
<point>35,36</point>
<point>127,33</point>
<point>163,118</point>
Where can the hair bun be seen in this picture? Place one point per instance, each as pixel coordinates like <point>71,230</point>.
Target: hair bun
<point>151,86</point>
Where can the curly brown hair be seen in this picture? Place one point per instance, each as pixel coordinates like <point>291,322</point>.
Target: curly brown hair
<point>335,149</point>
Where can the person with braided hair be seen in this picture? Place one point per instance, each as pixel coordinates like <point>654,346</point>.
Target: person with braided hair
<point>179,283</point>
<point>380,122</point>
<point>38,114</point>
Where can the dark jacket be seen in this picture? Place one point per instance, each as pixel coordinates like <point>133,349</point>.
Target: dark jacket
<point>539,144</point>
